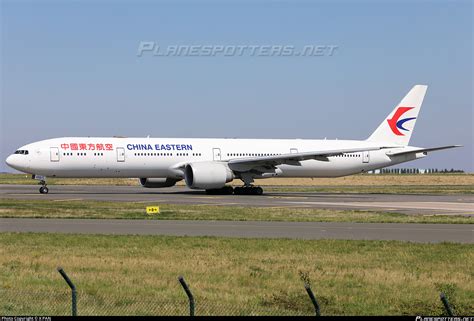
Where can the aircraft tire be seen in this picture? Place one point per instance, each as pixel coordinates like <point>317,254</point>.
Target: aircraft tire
<point>248,190</point>
<point>226,190</point>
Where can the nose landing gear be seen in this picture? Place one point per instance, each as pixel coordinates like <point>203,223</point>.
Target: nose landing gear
<point>42,181</point>
<point>44,190</point>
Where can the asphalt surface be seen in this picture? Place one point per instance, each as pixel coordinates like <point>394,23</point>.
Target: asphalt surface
<point>425,233</point>
<point>408,204</point>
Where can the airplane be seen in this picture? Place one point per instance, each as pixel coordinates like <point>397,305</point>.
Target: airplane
<point>210,164</point>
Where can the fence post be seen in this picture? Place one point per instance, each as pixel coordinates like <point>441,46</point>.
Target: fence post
<point>73,290</point>
<point>189,294</point>
<point>313,299</point>
<point>447,307</point>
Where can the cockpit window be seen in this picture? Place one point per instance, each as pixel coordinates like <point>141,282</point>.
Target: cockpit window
<point>22,152</point>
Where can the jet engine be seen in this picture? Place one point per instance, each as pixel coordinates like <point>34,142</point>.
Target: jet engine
<point>157,182</point>
<point>207,175</point>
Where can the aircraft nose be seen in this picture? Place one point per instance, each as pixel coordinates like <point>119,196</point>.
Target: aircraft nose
<point>10,161</point>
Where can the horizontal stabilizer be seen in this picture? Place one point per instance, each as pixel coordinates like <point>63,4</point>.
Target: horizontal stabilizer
<point>421,150</point>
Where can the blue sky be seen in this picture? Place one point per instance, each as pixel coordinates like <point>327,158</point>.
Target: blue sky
<point>70,68</point>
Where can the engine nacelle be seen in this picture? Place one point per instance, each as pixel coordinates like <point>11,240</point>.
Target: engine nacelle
<point>157,182</point>
<point>207,175</point>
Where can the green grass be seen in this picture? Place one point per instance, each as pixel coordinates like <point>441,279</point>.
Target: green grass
<point>133,210</point>
<point>138,275</point>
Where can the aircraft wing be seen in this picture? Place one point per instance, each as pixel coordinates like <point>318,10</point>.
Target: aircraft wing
<point>269,162</point>
<point>421,150</point>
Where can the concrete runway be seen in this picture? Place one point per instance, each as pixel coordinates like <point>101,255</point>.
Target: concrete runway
<point>425,233</point>
<point>408,204</point>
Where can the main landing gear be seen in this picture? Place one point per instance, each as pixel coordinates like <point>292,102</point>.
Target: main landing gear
<point>248,190</point>
<point>228,190</point>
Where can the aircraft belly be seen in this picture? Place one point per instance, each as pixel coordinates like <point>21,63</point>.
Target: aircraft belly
<point>313,168</point>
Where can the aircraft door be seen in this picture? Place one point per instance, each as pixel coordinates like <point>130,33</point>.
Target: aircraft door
<point>293,150</point>
<point>216,152</point>
<point>120,154</point>
<point>365,157</point>
<point>54,154</point>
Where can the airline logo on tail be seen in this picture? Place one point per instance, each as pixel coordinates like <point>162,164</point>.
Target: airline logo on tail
<point>396,123</point>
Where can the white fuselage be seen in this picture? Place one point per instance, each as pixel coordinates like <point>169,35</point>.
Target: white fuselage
<point>162,157</point>
<point>209,164</point>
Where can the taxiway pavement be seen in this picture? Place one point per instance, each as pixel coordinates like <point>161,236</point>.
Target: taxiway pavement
<point>407,204</point>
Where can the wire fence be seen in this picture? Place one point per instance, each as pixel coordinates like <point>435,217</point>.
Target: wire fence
<point>71,301</point>
<point>21,302</point>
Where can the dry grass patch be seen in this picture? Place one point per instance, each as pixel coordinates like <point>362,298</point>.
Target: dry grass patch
<point>380,180</point>
<point>378,189</point>
<point>353,180</point>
